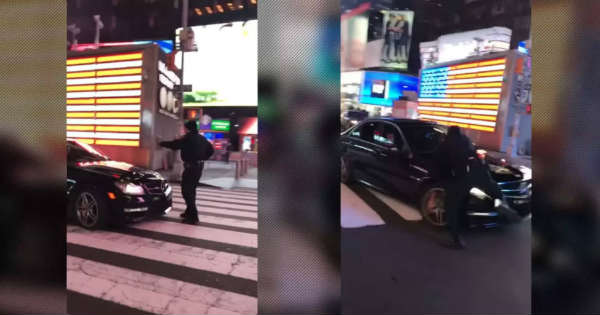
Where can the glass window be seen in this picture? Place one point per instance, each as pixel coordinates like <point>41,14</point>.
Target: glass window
<point>387,135</point>
<point>364,132</point>
<point>424,138</point>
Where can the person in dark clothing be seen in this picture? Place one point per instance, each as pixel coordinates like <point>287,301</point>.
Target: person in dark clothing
<point>401,40</point>
<point>454,156</point>
<point>194,150</point>
<point>388,39</point>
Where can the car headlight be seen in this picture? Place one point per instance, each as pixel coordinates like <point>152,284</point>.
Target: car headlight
<point>526,172</point>
<point>479,193</point>
<point>130,188</point>
<point>354,122</point>
<point>168,190</point>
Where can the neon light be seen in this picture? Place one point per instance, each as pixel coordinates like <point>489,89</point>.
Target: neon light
<point>117,107</point>
<point>79,61</point>
<point>118,142</point>
<point>118,100</point>
<point>81,101</point>
<point>79,134</point>
<point>80,115</point>
<point>80,128</point>
<point>118,114</point>
<point>483,90</point>
<point>118,128</point>
<point>120,57</point>
<point>493,118</point>
<point>126,78</point>
<point>460,110</point>
<point>481,128</point>
<point>118,86</point>
<point>478,69</point>
<point>117,122</point>
<point>108,65</point>
<point>119,93</point>
<point>80,88</point>
<point>81,94</point>
<point>117,135</point>
<point>473,101</point>
<point>461,120</point>
<point>88,141</point>
<point>105,73</point>
<point>85,74</point>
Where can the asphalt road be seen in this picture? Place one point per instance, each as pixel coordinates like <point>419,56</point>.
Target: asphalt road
<point>392,265</point>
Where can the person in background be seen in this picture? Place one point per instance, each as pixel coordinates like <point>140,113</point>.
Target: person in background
<point>195,149</point>
<point>401,40</point>
<point>388,39</point>
<point>452,157</point>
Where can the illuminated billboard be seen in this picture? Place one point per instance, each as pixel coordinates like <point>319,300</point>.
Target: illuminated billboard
<point>389,38</point>
<point>223,72</point>
<point>383,88</point>
<point>104,98</point>
<point>465,94</point>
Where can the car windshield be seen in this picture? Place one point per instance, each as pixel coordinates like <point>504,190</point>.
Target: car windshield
<point>78,151</point>
<point>424,139</point>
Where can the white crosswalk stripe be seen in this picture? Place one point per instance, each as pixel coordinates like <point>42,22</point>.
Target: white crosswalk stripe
<point>356,213</point>
<point>163,266</point>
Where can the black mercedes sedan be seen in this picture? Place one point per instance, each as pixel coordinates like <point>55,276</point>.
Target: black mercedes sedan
<point>101,191</point>
<point>396,156</point>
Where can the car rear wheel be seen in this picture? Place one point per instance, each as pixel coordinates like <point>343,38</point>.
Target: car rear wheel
<point>432,206</point>
<point>346,171</point>
<point>90,210</point>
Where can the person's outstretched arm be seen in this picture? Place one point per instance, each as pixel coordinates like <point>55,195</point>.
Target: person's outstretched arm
<point>173,145</point>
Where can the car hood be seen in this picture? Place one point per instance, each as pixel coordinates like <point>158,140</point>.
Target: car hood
<point>119,169</point>
<point>499,170</point>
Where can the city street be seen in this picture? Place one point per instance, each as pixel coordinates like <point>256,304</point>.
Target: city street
<point>388,251</point>
<point>162,266</point>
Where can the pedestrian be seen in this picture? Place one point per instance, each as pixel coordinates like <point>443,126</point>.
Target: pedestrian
<point>453,158</point>
<point>195,149</point>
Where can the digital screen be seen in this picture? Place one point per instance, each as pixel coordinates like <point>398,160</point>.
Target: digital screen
<point>466,94</point>
<point>223,72</point>
<point>219,125</point>
<point>389,38</point>
<point>390,85</point>
<point>378,88</point>
<point>103,99</point>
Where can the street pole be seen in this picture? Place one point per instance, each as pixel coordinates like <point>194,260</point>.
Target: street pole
<point>184,23</point>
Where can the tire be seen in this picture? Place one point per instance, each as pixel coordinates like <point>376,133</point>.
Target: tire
<point>90,210</point>
<point>346,171</point>
<point>431,206</point>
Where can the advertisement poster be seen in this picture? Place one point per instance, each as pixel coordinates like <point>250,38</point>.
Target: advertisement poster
<point>353,42</point>
<point>223,70</point>
<point>389,39</point>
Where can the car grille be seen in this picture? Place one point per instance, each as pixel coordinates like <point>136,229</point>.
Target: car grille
<point>154,187</point>
<point>517,194</point>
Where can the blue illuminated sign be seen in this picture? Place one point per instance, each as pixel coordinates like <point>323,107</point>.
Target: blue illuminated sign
<point>397,83</point>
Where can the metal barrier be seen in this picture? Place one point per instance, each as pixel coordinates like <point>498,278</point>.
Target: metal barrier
<point>241,168</point>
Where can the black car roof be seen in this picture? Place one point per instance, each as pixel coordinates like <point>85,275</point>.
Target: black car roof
<point>402,121</point>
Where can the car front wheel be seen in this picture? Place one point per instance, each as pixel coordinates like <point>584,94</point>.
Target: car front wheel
<point>432,206</point>
<point>90,210</point>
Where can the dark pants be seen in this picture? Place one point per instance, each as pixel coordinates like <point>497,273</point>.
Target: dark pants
<point>189,181</point>
<point>457,196</point>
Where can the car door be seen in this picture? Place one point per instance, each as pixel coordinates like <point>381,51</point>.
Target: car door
<point>391,158</point>
<point>359,150</point>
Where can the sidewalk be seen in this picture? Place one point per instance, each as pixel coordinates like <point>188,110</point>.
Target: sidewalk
<point>221,174</point>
